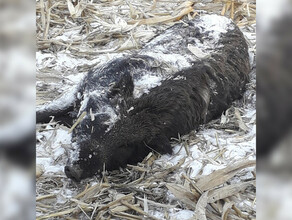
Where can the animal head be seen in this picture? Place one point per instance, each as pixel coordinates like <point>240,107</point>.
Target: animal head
<point>128,142</point>
<point>95,157</point>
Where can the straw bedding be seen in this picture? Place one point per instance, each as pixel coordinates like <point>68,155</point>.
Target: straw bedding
<point>75,36</point>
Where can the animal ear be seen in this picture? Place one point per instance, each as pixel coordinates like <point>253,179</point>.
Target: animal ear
<point>161,144</point>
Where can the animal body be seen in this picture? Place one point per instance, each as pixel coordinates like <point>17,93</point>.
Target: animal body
<point>182,78</point>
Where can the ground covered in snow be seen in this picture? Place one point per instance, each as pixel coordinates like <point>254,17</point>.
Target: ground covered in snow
<point>211,174</point>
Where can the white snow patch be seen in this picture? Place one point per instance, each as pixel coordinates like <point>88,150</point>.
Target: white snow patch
<point>182,215</point>
<point>75,78</point>
<point>212,26</point>
<point>112,114</point>
<point>215,24</point>
<point>196,167</point>
<point>176,61</point>
<point>210,168</point>
<point>60,103</point>
<point>180,78</point>
<point>199,54</point>
<point>70,35</point>
<point>64,61</point>
<point>44,60</point>
<point>51,156</point>
<point>174,214</point>
<point>145,83</point>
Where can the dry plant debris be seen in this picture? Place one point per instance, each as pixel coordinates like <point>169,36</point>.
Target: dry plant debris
<point>74,36</point>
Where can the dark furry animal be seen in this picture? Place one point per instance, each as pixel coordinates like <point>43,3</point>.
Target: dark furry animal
<point>182,78</point>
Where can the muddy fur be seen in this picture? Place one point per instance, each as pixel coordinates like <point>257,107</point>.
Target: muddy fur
<point>127,125</point>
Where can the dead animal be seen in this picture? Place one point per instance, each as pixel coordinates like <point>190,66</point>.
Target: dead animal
<point>134,104</point>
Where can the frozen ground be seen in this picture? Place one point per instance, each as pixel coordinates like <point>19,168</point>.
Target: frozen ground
<point>217,145</point>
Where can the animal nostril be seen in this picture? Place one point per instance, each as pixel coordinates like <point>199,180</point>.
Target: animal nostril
<point>72,173</point>
<point>67,169</point>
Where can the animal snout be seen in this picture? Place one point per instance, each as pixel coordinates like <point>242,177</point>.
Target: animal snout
<point>73,172</point>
